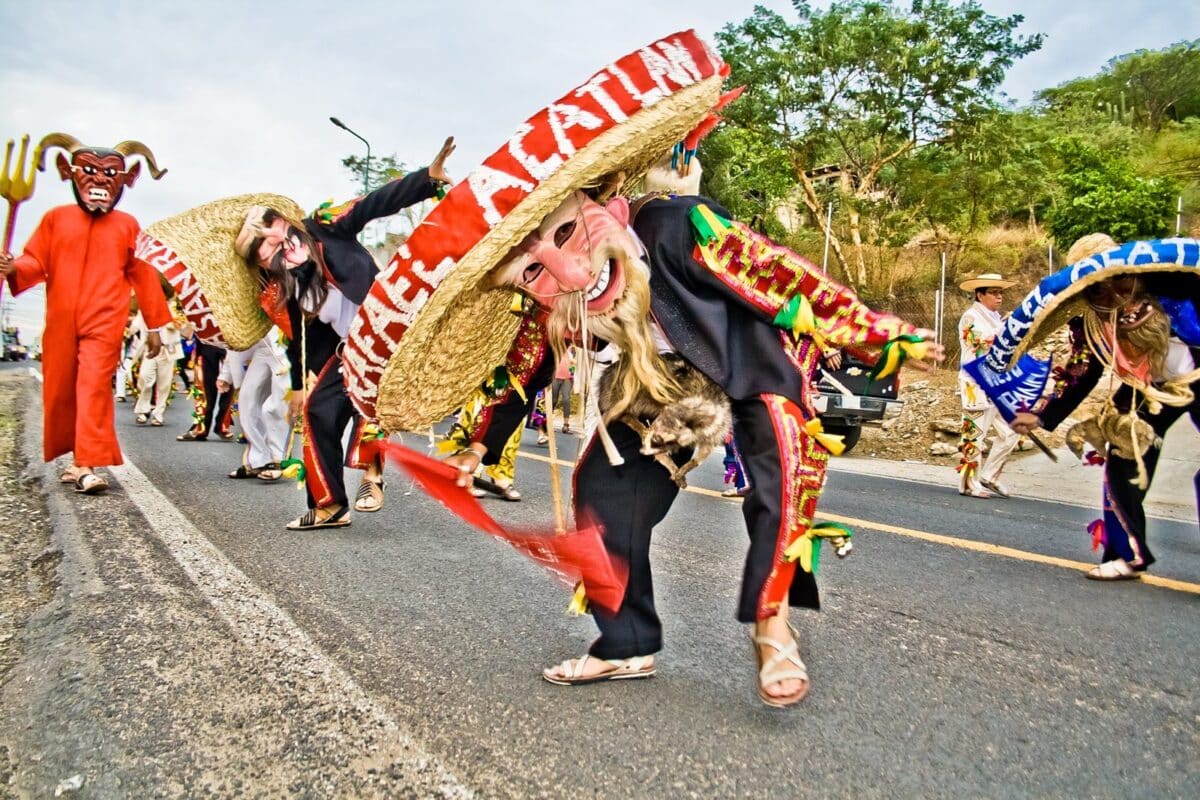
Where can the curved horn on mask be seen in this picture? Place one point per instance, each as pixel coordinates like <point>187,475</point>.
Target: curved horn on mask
<point>131,148</point>
<point>51,140</point>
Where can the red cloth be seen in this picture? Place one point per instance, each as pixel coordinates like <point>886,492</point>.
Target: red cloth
<point>88,266</point>
<point>573,556</point>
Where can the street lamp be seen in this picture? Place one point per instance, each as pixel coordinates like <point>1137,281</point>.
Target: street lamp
<point>367,170</point>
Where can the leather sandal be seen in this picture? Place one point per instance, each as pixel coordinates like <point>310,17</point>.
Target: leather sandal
<point>1115,570</point>
<point>570,672</point>
<point>90,483</point>
<point>310,522</point>
<point>70,475</point>
<point>370,496</point>
<point>270,472</point>
<point>244,472</point>
<point>784,665</point>
<point>192,436</point>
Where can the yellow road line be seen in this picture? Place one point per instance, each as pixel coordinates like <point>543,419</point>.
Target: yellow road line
<point>949,541</point>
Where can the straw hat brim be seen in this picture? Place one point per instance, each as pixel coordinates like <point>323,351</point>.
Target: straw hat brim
<point>411,358</point>
<point>198,247</point>
<point>983,282</point>
<point>1059,297</point>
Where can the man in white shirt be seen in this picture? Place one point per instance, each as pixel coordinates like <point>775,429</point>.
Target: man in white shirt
<point>976,329</point>
<point>157,372</point>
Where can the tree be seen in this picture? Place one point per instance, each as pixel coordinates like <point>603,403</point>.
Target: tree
<point>1158,82</point>
<point>1103,193</point>
<point>1000,169</point>
<point>384,170</point>
<point>861,85</point>
<point>1145,89</point>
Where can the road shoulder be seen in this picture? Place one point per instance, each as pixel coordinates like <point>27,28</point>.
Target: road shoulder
<point>127,682</point>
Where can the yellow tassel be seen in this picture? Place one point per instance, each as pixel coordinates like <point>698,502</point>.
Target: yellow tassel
<point>579,601</point>
<point>833,442</point>
<point>805,321</point>
<point>917,350</point>
<point>447,446</point>
<point>892,360</point>
<point>517,387</point>
<point>801,550</point>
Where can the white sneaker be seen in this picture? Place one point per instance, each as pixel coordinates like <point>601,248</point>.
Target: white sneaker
<point>1115,570</point>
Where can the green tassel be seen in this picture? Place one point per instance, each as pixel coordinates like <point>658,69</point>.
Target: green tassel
<point>709,226</point>
<point>831,530</point>
<point>786,318</point>
<point>891,357</point>
<point>295,467</point>
<point>499,380</point>
<point>838,535</point>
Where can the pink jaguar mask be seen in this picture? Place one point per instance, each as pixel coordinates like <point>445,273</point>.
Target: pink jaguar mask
<point>581,246</point>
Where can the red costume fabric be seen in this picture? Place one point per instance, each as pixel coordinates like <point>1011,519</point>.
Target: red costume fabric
<point>88,266</point>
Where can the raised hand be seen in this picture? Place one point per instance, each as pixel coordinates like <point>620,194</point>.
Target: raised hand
<point>437,169</point>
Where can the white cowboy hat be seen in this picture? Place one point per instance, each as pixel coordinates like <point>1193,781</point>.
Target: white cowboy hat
<point>988,280</point>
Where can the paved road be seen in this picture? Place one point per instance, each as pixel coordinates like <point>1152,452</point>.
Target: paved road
<point>938,670</point>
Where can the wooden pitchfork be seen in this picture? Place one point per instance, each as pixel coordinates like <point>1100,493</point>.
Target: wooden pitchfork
<point>16,187</point>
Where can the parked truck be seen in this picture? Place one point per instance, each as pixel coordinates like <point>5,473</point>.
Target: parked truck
<point>848,398</point>
<point>11,348</point>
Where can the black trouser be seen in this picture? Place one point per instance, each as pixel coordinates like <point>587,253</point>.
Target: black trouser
<point>629,500</point>
<point>1124,514</point>
<point>210,369</point>
<point>327,412</point>
<point>184,372</point>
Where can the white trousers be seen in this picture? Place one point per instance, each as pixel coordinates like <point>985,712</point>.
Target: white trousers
<point>261,407</point>
<point>122,376</point>
<point>975,429</point>
<point>155,378</point>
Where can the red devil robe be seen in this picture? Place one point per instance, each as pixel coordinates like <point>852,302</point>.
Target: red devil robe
<point>88,265</point>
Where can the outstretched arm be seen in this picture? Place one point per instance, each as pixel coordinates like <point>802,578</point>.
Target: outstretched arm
<point>401,193</point>
<point>788,291</point>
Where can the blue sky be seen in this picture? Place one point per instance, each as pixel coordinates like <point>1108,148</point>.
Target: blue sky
<point>235,97</point>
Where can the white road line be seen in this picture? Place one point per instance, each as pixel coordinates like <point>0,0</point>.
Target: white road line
<point>258,621</point>
<point>36,373</point>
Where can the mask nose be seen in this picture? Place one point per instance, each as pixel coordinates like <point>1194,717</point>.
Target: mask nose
<point>572,271</point>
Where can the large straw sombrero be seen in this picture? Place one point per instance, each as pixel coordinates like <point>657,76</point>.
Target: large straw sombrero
<point>431,329</point>
<point>217,290</point>
<point>1059,297</point>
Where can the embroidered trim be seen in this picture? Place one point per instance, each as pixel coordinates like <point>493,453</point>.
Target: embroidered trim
<point>781,284</point>
<point>802,461</point>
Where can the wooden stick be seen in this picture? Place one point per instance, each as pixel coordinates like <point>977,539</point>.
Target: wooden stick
<point>1042,446</point>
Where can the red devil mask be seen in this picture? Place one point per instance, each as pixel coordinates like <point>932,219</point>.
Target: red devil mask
<point>98,174</point>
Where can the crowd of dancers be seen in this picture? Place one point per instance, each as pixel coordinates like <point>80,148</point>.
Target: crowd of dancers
<point>564,258</point>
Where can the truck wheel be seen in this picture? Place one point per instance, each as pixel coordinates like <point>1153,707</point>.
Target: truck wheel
<point>849,433</point>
